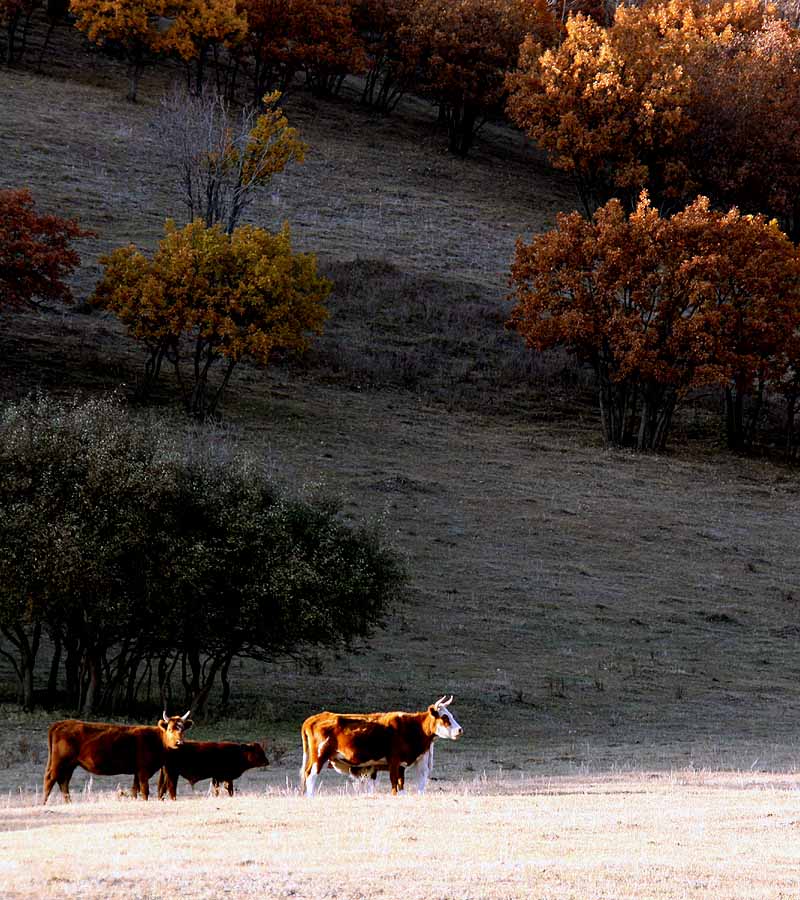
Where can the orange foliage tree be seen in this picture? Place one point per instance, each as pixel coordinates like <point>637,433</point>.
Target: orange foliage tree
<point>600,111</point>
<point>658,306</point>
<point>200,26</point>
<point>317,37</point>
<point>208,296</point>
<point>746,147</point>
<point>328,45</point>
<point>136,28</point>
<point>465,51</point>
<point>270,25</point>
<point>675,96</point>
<point>36,256</point>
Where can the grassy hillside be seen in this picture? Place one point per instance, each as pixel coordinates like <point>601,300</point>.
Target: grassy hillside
<point>589,609</point>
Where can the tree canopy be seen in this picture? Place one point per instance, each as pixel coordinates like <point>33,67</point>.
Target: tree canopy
<point>139,550</point>
<point>36,252</point>
<point>208,296</point>
<point>658,305</point>
<point>674,97</point>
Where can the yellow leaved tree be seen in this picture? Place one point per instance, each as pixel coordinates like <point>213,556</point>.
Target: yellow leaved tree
<point>221,155</point>
<point>201,26</point>
<point>207,296</point>
<point>135,28</point>
<point>675,96</point>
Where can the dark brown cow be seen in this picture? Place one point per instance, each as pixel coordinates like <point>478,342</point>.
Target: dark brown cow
<point>362,744</point>
<point>221,761</point>
<point>106,749</point>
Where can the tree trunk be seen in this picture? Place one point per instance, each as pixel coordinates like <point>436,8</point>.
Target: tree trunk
<point>135,68</point>
<point>191,671</point>
<point>72,669</point>
<point>212,409</point>
<point>55,665</point>
<point>734,416</point>
<point>24,665</point>
<point>791,405</point>
<point>226,685</point>
<point>94,682</point>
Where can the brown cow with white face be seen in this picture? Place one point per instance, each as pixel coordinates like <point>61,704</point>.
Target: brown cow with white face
<point>106,749</point>
<point>362,744</point>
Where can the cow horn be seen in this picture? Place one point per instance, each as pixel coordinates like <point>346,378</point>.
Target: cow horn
<point>439,702</point>
<point>448,702</point>
<point>164,716</point>
<point>186,715</point>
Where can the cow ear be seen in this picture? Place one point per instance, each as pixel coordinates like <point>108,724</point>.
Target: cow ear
<point>433,711</point>
<point>187,724</point>
<point>162,724</point>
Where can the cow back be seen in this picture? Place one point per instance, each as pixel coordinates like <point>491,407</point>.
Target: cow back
<point>104,748</point>
<point>377,736</point>
<point>220,760</point>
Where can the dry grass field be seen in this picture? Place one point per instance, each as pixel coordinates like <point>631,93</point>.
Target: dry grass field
<point>671,837</point>
<point>621,632</point>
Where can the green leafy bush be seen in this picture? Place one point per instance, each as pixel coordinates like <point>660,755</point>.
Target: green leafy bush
<point>146,555</point>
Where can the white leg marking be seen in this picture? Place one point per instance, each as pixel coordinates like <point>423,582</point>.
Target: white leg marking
<point>425,768</point>
<point>311,781</point>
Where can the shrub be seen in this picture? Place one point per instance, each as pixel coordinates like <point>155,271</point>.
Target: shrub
<point>139,551</point>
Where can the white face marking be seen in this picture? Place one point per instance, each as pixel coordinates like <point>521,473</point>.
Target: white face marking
<point>447,727</point>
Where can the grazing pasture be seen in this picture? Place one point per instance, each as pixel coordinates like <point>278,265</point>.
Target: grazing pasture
<point>678,835</point>
<point>620,632</point>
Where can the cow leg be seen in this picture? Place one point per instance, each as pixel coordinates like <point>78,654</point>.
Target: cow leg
<point>312,776</point>
<point>165,783</point>
<point>144,783</point>
<point>135,787</point>
<point>229,788</point>
<point>425,766</point>
<point>304,767</point>
<point>63,782</point>
<point>50,779</point>
<point>60,774</point>
<point>395,770</point>
<point>170,784</point>
<point>215,786</point>
<point>313,768</point>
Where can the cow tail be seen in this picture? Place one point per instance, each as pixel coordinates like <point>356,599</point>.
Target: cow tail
<point>306,751</point>
<point>50,739</point>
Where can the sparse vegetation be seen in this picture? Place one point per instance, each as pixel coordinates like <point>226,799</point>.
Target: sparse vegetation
<point>222,156</point>
<point>619,630</point>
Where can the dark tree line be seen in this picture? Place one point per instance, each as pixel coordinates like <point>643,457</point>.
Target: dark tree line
<point>149,564</point>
